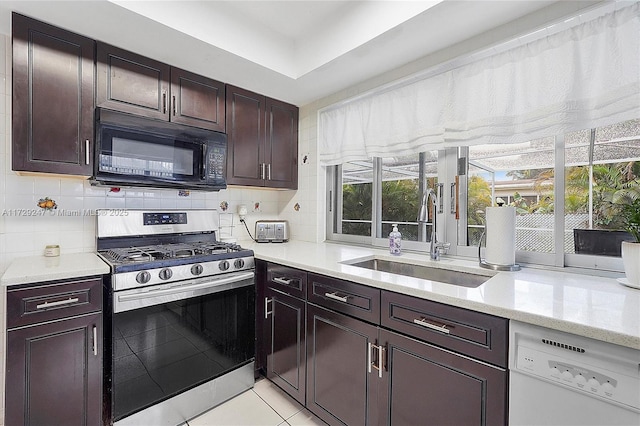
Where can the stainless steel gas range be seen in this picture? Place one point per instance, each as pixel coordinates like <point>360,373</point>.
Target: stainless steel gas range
<point>179,316</point>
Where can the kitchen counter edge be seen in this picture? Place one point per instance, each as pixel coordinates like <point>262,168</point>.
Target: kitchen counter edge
<point>35,269</point>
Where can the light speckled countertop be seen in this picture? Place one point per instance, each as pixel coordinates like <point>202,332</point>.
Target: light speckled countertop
<point>35,269</point>
<point>585,305</point>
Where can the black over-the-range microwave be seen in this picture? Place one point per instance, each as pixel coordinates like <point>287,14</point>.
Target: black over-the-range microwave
<point>136,151</point>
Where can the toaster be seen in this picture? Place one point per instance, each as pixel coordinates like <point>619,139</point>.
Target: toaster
<point>272,231</point>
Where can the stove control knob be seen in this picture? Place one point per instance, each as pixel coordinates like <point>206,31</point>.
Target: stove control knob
<point>594,384</point>
<point>567,375</point>
<point>239,263</point>
<point>143,277</point>
<point>196,269</point>
<point>165,274</point>
<point>224,265</point>
<point>608,388</point>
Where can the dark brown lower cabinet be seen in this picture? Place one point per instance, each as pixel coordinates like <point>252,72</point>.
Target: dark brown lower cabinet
<point>423,384</point>
<point>341,387</point>
<point>284,337</point>
<point>54,373</point>
<point>371,366</point>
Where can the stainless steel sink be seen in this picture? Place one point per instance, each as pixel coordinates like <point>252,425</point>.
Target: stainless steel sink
<point>448,276</point>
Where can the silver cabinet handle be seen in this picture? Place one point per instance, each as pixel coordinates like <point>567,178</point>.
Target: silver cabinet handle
<point>262,166</point>
<point>279,280</point>
<point>95,340</point>
<point>266,307</point>
<point>423,322</point>
<point>335,296</point>
<point>47,305</point>
<point>269,171</point>
<point>87,157</point>
<point>370,365</point>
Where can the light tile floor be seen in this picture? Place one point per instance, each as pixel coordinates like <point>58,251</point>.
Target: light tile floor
<point>264,405</point>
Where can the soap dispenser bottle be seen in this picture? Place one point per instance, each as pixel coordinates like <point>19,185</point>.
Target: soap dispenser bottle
<point>395,241</point>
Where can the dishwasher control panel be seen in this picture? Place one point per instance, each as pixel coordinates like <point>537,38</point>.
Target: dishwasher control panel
<point>583,378</point>
<point>602,370</point>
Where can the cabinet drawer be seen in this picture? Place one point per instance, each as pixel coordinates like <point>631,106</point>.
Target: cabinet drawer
<point>353,299</point>
<point>288,280</point>
<point>53,301</point>
<point>478,335</point>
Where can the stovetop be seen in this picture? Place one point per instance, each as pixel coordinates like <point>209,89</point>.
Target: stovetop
<point>126,259</point>
<point>138,240</point>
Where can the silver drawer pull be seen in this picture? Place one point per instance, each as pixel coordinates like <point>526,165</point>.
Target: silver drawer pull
<point>46,305</point>
<point>267,312</point>
<point>423,322</point>
<point>335,296</point>
<point>284,281</point>
<point>95,340</point>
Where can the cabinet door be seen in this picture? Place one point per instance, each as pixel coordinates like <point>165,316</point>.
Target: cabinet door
<point>431,386</point>
<point>132,83</point>
<point>197,101</point>
<point>281,145</point>
<point>341,385</point>
<point>245,137</point>
<point>285,342</point>
<point>55,373</point>
<point>53,105</point>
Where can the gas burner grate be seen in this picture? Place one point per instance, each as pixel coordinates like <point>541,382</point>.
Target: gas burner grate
<point>168,251</point>
<point>132,254</point>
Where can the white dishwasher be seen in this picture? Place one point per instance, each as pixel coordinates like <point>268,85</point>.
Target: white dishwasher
<point>558,378</point>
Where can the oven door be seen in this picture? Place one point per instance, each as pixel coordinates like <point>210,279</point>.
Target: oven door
<point>170,338</point>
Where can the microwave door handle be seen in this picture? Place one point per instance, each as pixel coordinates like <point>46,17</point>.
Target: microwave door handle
<point>203,163</point>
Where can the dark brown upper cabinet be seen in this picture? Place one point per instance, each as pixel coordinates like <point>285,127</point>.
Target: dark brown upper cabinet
<point>132,83</point>
<point>263,140</point>
<point>53,99</point>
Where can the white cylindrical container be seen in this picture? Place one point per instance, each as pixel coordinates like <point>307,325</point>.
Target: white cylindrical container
<point>501,236</point>
<point>52,250</point>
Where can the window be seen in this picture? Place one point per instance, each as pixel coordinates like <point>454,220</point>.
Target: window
<point>403,182</point>
<point>373,195</point>
<point>601,173</point>
<point>522,176</point>
<point>559,186</point>
<point>356,189</point>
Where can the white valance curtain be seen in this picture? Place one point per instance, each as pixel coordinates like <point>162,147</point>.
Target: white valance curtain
<point>583,77</point>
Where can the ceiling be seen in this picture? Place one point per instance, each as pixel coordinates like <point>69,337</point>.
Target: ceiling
<point>297,51</point>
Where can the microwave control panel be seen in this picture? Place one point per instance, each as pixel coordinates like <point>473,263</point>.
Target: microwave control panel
<point>216,162</point>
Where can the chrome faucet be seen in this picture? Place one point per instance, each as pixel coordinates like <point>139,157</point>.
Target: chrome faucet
<point>435,247</point>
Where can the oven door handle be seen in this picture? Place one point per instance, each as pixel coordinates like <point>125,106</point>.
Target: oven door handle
<point>183,288</point>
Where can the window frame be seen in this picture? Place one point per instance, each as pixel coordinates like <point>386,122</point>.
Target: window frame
<point>449,227</point>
